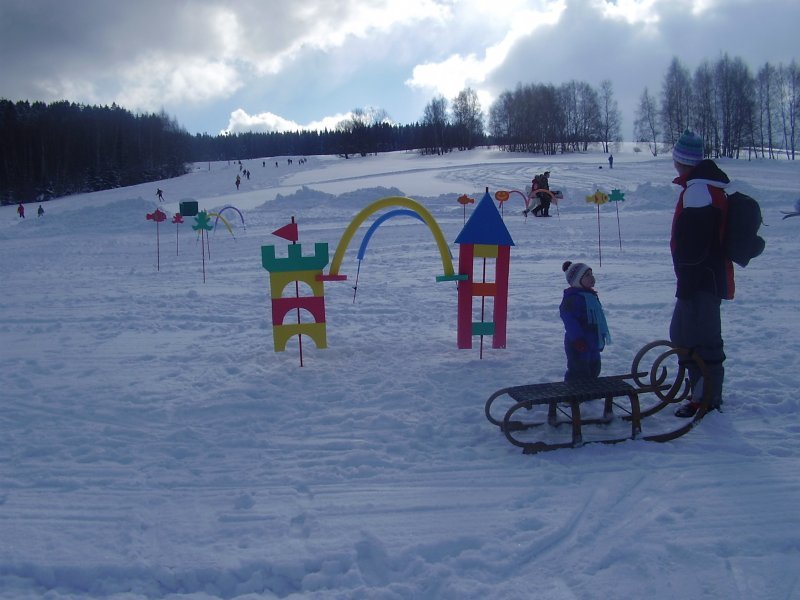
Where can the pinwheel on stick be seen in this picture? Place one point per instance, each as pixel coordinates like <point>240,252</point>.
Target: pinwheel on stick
<point>598,198</point>
<point>158,216</point>
<point>616,197</point>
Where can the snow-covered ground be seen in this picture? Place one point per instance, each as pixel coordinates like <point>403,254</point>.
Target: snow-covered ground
<point>153,445</point>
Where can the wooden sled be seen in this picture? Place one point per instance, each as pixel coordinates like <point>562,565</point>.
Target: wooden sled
<point>638,396</point>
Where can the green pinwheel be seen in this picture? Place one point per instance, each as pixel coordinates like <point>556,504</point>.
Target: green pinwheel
<point>616,197</point>
<point>202,225</point>
<point>202,222</point>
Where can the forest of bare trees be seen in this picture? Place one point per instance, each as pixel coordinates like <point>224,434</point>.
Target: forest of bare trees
<point>55,149</point>
<point>737,114</point>
<point>548,119</point>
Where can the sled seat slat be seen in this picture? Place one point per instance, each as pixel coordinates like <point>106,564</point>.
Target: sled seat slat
<point>568,391</point>
<point>571,394</point>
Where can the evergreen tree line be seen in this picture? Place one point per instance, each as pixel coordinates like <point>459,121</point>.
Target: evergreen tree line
<point>49,150</point>
<point>61,148</point>
<point>444,127</point>
<point>734,111</point>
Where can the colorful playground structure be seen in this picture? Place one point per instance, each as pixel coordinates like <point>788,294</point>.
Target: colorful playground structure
<point>484,237</point>
<point>296,268</point>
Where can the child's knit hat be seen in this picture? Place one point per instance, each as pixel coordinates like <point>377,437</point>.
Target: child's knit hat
<point>575,272</point>
<point>688,149</point>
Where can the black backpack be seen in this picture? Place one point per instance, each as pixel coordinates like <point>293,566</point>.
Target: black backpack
<point>741,240</point>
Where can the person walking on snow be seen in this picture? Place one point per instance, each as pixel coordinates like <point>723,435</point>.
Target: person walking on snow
<point>543,210</point>
<point>533,200</point>
<point>21,211</point>
<point>703,272</point>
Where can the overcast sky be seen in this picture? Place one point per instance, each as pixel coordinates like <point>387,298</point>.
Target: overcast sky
<point>269,64</point>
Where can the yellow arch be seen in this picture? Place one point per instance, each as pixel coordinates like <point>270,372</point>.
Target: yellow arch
<point>348,234</point>
<point>221,218</point>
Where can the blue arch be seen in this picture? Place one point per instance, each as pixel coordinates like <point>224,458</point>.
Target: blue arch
<point>362,250</point>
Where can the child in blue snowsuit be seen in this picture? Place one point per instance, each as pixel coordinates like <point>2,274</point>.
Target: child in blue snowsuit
<point>585,329</point>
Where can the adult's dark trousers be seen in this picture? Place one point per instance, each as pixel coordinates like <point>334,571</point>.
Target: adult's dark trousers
<point>697,326</point>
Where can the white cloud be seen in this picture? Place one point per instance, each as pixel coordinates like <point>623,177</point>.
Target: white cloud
<point>266,122</point>
<point>630,11</point>
<point>455,73</point>
<point>269,42</point>
<point>317,57</point>
<point>650,12</point>
<point>183,52</point>
<point>70,89</point>
<point>155,81</point>
<point>225,26</point>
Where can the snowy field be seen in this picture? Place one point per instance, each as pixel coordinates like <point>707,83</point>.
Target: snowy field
<point>153,444</point>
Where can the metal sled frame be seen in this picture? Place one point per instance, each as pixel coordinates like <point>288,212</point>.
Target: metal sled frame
<point>565,399</point>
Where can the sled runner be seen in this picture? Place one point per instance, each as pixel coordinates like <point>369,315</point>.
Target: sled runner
<point>638,396</point>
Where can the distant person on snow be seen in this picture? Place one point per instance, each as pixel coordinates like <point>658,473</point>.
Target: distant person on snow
<point>610,161</point>
<point>543,210</point>
<point>40,211</point>
<point>21,211</point>
<point>160,195</point>
<point>238,181</point>
<point>704,273</point>
<point>533,201</point>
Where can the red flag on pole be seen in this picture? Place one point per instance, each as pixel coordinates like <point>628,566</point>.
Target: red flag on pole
<point>287,232</point>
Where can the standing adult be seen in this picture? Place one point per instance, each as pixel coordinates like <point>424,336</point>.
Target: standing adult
<point>21,211</point>
<point>704,274</point>
<point>545,196</point>
<point>610,161</point>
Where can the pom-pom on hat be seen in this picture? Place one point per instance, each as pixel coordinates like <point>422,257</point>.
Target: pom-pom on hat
<point>574,272</point>
<point>688,149</point>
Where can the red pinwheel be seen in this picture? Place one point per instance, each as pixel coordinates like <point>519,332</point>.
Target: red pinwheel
<point>158,216</point>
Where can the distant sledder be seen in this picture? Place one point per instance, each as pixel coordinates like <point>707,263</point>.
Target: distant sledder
<point>540,196</point>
